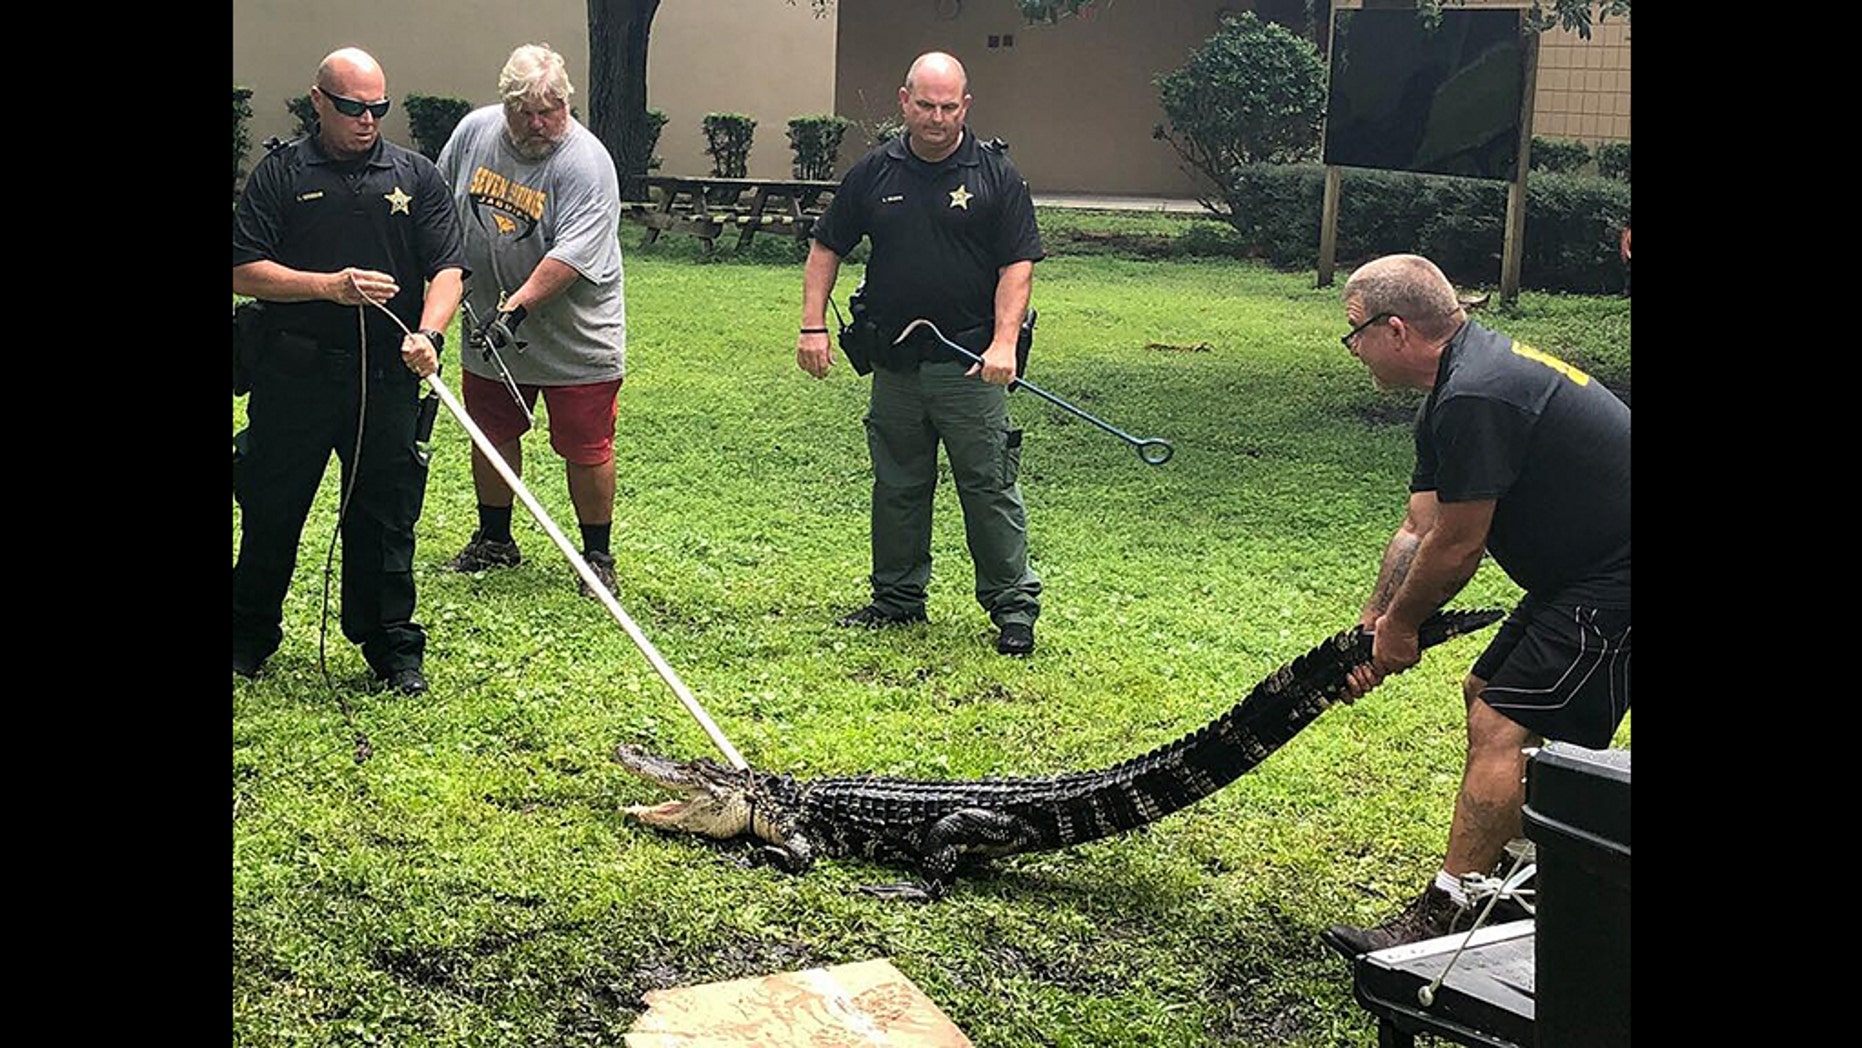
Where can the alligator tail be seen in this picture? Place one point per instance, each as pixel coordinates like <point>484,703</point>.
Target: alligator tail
<point>1173,776</point>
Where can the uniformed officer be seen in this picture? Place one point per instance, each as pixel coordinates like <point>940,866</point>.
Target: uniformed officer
<point>326,226</point>
<point>954,241</point>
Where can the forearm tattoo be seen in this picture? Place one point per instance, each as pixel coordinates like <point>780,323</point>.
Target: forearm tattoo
<point>1397,561</point>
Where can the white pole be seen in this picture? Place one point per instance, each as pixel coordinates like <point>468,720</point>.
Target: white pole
<point>660,665</point>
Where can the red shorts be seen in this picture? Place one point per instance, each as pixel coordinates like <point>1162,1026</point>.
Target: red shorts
<point>581,417</point>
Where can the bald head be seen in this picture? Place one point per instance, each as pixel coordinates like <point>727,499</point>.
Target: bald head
<point>1408,286</point>
<point>353,77</point>
<point>345,64</point>
<point>938,67</point>
<point>933,105</point>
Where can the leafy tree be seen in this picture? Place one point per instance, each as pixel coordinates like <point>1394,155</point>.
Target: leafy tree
<point>1252,93</point>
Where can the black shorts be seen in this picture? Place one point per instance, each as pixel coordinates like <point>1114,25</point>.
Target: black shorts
<point>1560,670</point>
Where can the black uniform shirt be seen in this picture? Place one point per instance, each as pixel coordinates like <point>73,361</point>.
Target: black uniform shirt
<point>388,211</point>
<point>941,232</point>
<point>1550,444</point>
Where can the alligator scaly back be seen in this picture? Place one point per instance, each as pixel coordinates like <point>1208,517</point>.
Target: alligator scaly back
<point>934,824</point>
<point>1077,807</point>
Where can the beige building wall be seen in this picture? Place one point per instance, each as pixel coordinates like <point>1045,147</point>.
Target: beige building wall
<point>766,58</point>
<point>1074,101</point>
<point>1583,91</point>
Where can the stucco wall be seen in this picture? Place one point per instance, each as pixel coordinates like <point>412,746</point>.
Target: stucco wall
<point>1074,101</point>
<point>766,58</point>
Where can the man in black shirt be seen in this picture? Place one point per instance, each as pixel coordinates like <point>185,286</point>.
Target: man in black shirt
<point>955,242</point>
<point>1523,456</point>
<point>329,228</point>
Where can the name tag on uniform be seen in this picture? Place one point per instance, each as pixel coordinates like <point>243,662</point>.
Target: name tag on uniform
<point>312,195</point>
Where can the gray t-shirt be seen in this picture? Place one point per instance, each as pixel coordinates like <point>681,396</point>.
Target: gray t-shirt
<point>515,213</point>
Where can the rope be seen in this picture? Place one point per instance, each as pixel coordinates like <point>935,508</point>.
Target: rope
<point>1495,889</point>
<point>363,748</point>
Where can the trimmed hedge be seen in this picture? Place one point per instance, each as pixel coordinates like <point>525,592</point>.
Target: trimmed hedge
<point>306,114</point>
<point>431,119</point>
<point>816,143</point>
<point>1572,222</point>
<point>1558,155</point>
<point>1613,160</point>
<point>727,142</point>
<point>242,137</point>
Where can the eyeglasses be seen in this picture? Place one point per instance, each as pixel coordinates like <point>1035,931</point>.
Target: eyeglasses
<point>353,108</point>
<point>1347,340</point>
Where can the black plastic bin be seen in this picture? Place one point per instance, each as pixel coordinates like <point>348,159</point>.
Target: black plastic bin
<point>1577,814</point>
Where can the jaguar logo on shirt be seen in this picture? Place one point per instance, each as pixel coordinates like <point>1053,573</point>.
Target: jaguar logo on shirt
<point>509,203</point>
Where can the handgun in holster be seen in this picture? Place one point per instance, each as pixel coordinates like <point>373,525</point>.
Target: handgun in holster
<point>860,337</point>
<point>248,338</point>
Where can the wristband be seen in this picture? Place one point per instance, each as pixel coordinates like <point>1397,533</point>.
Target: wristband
<point>437,338</point>
<point>815,331</point>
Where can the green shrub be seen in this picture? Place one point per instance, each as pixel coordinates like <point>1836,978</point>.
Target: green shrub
<point>649,135</point>
<point>1572,222</point>
<point>306,114</point>
<point>1558,155</point>
<point>1613,160</point>
<point>242,137</point>
<point>727,143</point>
<point>816,143</point>
<point>431,119</point>
<point>887,130</point>
<point>1253,93</point>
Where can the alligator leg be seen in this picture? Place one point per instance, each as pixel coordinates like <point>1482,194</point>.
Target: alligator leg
<point>966,830</point>
<point>794,855</point>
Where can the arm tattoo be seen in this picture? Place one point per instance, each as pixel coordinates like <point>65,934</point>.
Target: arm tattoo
<point>1397,560</point>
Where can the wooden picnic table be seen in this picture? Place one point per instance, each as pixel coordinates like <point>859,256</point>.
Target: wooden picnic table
<point>705,206</point>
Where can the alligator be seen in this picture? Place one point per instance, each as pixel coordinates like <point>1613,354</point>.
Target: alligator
<point>935,825</point>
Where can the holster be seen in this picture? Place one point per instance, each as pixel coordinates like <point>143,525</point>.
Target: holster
<point>248,341</point>
<point>860,338</point>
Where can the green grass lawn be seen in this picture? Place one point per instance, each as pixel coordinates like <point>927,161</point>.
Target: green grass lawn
<point>472,882</point>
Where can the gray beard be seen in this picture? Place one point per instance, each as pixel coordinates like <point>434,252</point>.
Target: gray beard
<point>532,152</point>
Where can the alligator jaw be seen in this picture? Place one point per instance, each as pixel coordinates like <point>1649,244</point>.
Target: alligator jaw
<point>716,802</point>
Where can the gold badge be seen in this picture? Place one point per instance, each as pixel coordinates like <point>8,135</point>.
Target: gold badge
<point>398,201</point>
<point>960,197</point>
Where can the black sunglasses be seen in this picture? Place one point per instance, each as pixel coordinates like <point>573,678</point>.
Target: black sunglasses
<point>1346,340</point>
<point>352,108</point>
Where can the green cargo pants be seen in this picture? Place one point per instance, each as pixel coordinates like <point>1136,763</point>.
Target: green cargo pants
<point>910,411</point>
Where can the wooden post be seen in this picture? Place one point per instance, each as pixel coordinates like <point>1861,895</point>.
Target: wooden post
<point>1515,247</point>
<point>1328,226</point>
<point>1328,214</point>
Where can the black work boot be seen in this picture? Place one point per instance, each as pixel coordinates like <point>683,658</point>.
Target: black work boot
<point>1430,916</point>
<point>874,617</point>
<point>1016,638</point>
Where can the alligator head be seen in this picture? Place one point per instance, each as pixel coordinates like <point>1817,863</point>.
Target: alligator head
<point>721,802</point>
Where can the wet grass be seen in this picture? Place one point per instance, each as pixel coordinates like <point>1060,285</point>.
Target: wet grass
<point>471,881</point>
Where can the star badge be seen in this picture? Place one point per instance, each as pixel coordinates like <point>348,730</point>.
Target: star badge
<point>960,197</point>
<point>398,201</point>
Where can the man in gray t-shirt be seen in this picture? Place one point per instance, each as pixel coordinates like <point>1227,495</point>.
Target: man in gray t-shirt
<point>540,204</point>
